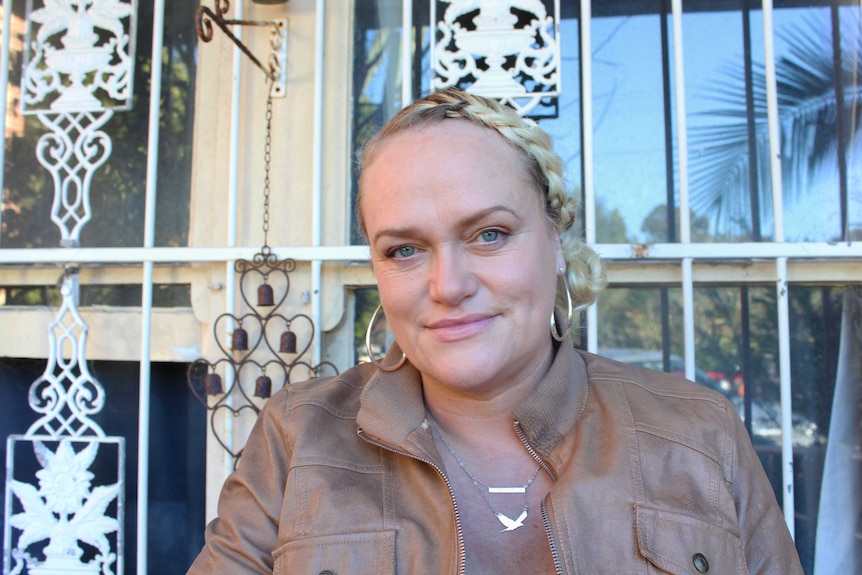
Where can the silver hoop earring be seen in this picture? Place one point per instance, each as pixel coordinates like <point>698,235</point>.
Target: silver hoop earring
<point>373,359</point>
<point>570,319</point>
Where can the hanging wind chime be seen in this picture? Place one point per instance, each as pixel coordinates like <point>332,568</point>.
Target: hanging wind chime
<point>251,353</point>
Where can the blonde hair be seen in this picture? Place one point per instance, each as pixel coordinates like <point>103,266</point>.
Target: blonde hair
<point>545,168</point>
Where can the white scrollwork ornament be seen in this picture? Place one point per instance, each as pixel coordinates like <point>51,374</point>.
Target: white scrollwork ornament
<point>508,49</point>
<point>66,394</point>
<point>80,57</point>
<point>66,510</point>
<point>72,152</point>
<point>82,523</point>
<point>78,70</point>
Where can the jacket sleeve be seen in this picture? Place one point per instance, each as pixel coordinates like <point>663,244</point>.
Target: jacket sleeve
<point>769,549</point>
<point>241,539</point>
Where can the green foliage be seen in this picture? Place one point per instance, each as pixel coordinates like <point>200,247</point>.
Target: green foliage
<point>117,193</point>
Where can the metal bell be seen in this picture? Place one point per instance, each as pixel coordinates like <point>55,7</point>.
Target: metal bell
<point>212,384</point>
<point>239,340</point>
<point>263,386</point>
<point>288,342</point>
<point>264,296</point>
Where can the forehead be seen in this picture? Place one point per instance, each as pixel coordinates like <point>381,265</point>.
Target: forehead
<point>447,169</point>
<point>452,143</point>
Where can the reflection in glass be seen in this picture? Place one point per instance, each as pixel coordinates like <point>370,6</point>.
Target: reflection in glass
<point>164,295</point>
<point>377,69</point>
<point>819,117</point>
<point>628,120</point>
<point>565,126</point>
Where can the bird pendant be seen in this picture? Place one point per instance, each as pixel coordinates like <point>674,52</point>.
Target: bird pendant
<point>511,524</point>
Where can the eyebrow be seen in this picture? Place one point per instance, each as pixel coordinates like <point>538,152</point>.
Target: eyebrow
<point>472,219</point>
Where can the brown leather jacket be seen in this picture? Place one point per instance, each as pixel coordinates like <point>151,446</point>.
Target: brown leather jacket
<point>652,474</point>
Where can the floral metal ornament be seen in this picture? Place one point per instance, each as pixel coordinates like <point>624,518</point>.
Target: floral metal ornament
<point>82,49</point>
<point>65,510</point>
<point>82,524</point>
<point>503,49</point>
<point>78,70</point>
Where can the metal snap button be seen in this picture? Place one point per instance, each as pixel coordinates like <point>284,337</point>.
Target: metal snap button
<point>700,563</point>
<point>327,572</point>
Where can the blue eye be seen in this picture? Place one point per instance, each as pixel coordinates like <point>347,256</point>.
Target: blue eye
<point>490,235</point>
<point>402,252</point>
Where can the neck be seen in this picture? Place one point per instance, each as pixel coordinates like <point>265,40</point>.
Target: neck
<point>493,404</point>
<point>477,425</point>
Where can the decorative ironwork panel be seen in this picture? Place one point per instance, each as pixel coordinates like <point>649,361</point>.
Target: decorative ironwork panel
<point>66,394</point>
<point>503,49</point>
<point>72,151</point>
<point>82,524</point>
<point>79,57</point>
<point>78,69</point>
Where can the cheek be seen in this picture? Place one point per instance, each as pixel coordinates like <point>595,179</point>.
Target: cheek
<point>399,295</point>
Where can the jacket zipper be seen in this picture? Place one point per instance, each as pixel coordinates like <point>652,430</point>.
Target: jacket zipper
<point>547,522</point>
<point>462,559</point>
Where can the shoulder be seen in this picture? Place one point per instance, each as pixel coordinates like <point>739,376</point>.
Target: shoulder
<point>647,382</point>
<point>312,419</point>
<point>664,404</point>
<point>337,395</point>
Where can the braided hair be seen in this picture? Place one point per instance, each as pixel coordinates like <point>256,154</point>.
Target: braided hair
<point>545,168</point>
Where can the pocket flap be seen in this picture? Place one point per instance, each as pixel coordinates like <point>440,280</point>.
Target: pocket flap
<point>680,544</point>
<point>369,553</point>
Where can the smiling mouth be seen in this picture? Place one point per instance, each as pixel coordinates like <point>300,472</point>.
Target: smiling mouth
<point>450,330</point>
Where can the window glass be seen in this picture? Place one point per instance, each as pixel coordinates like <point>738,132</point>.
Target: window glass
<point>628,119</point>
<point>564,126</point>
<point>721,50</point>
<point>377,70</point>
<point>164,295</point>
<point>729,132</point>
<point>825,334</point>
<point>117,193</point>
<point>642,326</point>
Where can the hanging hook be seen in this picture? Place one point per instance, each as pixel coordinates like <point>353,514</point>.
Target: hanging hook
<point>275,70</point>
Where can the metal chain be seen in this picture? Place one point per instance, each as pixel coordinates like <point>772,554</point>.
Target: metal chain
<point>267,160</point>
<point>476,482</point>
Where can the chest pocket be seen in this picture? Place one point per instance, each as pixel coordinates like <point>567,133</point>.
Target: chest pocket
<point>681,545</point>
<point>371,553</point>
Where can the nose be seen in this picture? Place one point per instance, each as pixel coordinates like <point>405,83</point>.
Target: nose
<point>451,278</point>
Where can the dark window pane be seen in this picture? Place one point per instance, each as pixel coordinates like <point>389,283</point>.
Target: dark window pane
<point>117,193</point>
<point>164,295</point>
<point>376,69</point>
<point>177,451</point>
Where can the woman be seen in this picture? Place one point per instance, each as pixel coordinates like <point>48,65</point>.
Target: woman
<point>484,442</point>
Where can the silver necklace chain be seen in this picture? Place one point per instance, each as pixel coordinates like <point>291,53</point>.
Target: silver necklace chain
<point>508,523</point>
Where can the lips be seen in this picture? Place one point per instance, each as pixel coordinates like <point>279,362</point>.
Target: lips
<point>451,330</point>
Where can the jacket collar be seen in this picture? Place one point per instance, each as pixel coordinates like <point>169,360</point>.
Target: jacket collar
<point>392,407</point>
<point>552,409</point>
